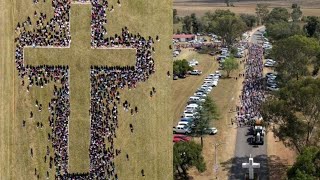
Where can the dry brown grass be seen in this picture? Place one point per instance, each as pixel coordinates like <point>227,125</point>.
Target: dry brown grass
<point>149,147</point>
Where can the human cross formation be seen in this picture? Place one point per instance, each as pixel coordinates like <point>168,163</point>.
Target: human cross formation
<point>105,84</point>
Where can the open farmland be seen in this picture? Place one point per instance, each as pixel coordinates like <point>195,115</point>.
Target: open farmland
<point>199,7</point>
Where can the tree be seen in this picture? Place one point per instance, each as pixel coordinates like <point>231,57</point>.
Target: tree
<point>209,18</point>
<point>313,26</point>
<point>227,2</point>
<point>278,14</point>
<point>262,12</point>
<point>293,55</point>
<point>187,24</point>
<point>181,67</point>
<point>307,165</point>
<point>175,16</point>
<point>186,155</point>
<point>296,14</point>
<point>249,19</point>
<point>196,24</point>
<point>205,114</point>
<point>295,109</point>
<point>230,64</point>
<point>282,30</point>
<point>229,28</point>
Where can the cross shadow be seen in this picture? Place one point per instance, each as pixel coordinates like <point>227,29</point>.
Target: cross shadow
<point>271,167</point>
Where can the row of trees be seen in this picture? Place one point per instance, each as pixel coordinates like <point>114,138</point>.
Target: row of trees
<point>295,109</point>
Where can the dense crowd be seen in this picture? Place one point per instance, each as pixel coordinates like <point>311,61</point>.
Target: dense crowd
<point>252,93</point>
<point>105,83</point>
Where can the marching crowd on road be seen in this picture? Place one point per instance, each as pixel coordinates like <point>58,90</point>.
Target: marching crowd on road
<point>105,83</point>
<point>253,91</point>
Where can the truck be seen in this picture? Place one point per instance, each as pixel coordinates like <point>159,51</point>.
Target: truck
<point>258,132</point>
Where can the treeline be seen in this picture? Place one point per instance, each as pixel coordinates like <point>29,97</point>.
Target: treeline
<point>294,111</point>
<point>223,23</point>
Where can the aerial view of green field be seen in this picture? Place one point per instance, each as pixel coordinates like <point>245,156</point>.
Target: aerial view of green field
<point>85,91</point>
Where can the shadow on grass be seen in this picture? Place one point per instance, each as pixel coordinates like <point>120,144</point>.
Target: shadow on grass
<point>271,167</point>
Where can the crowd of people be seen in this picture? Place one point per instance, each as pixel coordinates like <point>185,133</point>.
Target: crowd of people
<point>253,92</point>
<point>105,84</point>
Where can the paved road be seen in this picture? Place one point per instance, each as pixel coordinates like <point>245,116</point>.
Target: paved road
<point>244,149</point>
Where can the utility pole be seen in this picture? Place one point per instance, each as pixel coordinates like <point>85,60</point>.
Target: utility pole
<point>215,157</point>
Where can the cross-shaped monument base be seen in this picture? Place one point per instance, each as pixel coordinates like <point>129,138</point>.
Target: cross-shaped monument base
<point>251,166</point>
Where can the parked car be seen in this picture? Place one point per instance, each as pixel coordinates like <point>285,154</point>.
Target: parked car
<point>269,64</point>
<point>176,140</point>
<point>180,129</point>
<point>218,73</point>
<point>273,88</point>
<point>183,137</point>
<point>211,131</point>
<point>195,72</point>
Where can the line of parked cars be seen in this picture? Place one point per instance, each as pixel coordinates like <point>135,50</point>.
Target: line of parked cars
<point>187,121</point>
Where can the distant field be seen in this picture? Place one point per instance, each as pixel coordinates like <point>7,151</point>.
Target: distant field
<point>149,147</point>
<point>186,7</point>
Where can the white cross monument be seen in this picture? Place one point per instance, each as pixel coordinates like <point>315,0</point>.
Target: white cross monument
<point>251,165</point>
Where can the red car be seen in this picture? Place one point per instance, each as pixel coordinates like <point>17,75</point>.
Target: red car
<point>175,140</point>
<point>182,137</point>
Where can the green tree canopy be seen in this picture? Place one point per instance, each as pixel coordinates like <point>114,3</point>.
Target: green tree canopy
<point>262,12</point>
<point>228,28</point>
<point>295,109</point>
<point>249,19</point>
<point>181,67</point>
<point>313,26</point>
<point>307,165</point>
<point>296,14</point>
<point>186,155</point>
<point>293,55</point>
<point>187,24</point>
<point>278,14</point>
<point>282,29</point>
<point>229,65</point>
<point>175,16</point>
<point>206,114</point>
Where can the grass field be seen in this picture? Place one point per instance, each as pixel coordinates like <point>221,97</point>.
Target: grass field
<point>149,147</point>
<point>199,7</point>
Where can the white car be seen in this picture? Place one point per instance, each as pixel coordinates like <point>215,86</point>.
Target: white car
<point>215,83</point>
<point>218,73</point>
<point>195,72</point>
<point>268,64</point>
<point>212,131</point>
<point>270,60</point>
<point>200,94</point>
<point>181,129</point>
<point>273,88</point>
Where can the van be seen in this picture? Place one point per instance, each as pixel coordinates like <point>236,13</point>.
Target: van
<point>193,106</point>
<point>194,99</point>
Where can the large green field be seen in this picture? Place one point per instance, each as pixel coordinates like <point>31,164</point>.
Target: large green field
<point>149,147</point>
